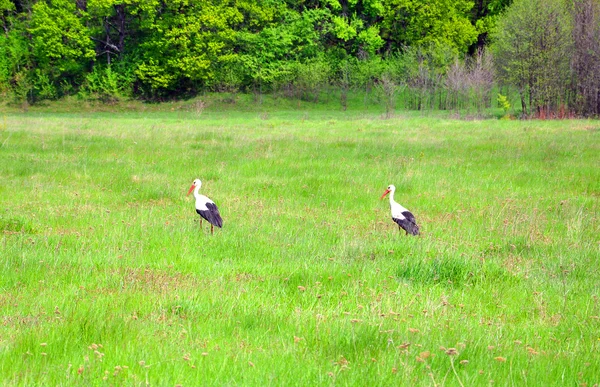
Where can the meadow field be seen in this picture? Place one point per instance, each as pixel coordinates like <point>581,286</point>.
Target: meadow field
<point>108,279</point>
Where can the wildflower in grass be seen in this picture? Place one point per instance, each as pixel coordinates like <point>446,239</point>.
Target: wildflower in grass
<point>343,363</point>
<point>43,344</point>
<point>301,288</point>
<point>204,353</point>
<point>464,362</point>
<point>250,363</point>
<point>451,352</point>
<point>413,330</point>
<point>99,355</point>
<point>500,359</point>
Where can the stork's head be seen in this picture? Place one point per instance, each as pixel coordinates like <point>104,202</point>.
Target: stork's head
<point>195,183</point>
<point>389,189</point>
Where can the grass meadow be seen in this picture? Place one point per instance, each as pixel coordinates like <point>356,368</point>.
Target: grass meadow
<point>107,278</point>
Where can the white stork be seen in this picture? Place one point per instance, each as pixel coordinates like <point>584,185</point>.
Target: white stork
<point>205,207</point>
<point>403,217</point>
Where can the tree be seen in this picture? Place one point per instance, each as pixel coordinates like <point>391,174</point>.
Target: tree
<point>61,47</point>
<point>586,58</point>
<point>532,47</point>
<point>111,23</point>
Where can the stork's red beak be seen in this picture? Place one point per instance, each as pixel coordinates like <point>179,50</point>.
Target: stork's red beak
<point>191,189</point>
<point>387,191</point>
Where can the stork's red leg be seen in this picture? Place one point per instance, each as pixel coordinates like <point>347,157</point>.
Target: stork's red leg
<point>211,229</point>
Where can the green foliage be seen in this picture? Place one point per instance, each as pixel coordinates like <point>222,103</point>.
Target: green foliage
<point>365,72</point>
<point>181,47</point>
<point>61,47</point>
<point>106,84</point>
<point>311,77</point>
<point>504,103</point>
<point>441,22</point>
<point>6,6</point>
<point>369,40</point>
<point>5,65</point>
<point>21,87</point>
<point>15,62</point>
<point>43,86</point>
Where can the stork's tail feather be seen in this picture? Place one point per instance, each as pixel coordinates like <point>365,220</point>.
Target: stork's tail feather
<point>414,230</point>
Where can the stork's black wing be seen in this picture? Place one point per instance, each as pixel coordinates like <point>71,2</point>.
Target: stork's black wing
<point>409,223</point>
<point>211,214</point>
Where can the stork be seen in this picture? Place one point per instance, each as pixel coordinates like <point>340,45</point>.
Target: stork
<point>403,217</point>
<point>205,207</point>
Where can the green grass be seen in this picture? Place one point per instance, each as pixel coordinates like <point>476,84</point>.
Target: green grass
<point>107,279</point>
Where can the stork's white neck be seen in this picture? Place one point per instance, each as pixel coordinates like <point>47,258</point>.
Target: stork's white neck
<point>392,197</point>
<point>196,192</point>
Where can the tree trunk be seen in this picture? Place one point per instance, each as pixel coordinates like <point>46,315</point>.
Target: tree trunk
<point>523,103</point>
